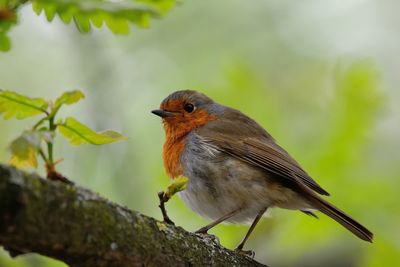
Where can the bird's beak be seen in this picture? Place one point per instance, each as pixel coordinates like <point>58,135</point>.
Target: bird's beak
<point>162,113</point>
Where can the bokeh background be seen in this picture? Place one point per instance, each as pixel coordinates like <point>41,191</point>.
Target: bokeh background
<point>321,76</point>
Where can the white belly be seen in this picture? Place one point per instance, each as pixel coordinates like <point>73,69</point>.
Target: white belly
<point>213,204</point>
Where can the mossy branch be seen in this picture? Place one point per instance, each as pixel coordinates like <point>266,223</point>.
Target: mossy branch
<point>81,228</point>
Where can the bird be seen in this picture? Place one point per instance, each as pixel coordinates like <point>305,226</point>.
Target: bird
<point>236,171</point>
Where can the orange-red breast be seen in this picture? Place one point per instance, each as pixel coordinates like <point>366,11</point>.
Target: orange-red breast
<point>236,170</point>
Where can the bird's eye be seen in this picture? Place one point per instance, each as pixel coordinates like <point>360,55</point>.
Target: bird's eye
<point>188,108</point>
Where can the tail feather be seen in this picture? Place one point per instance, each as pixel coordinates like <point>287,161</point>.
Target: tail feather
<point>310,213</point>
<point>342,218</point>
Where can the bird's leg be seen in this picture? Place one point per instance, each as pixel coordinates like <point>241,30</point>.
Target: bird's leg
<point>163,199</point>
<point>239,248</point>
<point>204,230</point>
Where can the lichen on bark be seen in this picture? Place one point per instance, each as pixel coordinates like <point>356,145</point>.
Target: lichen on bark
<point>81,228</point>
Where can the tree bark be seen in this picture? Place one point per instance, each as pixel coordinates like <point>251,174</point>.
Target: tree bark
<point>81,228</point>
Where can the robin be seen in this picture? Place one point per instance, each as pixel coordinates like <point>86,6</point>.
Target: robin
<point>235,168</point>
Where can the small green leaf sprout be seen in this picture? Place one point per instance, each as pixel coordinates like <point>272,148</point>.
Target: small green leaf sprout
<point>178,184</point>
<point>29,145</point>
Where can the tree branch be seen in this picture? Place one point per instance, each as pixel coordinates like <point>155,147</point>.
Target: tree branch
<point>81,228</point>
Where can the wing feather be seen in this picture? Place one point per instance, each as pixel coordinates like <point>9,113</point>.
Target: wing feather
<point>266,156</point>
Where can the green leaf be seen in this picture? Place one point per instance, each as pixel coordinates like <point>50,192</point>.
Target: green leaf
<point>69,98</point>
<point>179,184</point>
<point>37,7</point>
<point>79,134</point>
<point>97,20</point>
<point>82,22</point>
<point>15,105</point>
<point>118,26</point>
<point>24,149</point>
<point>67,15</point>
<point>50,12</point>
<point>162,5</point>
<point>115,14</point>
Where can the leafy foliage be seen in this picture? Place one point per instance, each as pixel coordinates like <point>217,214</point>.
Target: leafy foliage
<point>116,15</point>
<point>69,98</point>
<point>79,134</point>
<point>26,147</point>
<point>15,105</point>
<point>179,184</point>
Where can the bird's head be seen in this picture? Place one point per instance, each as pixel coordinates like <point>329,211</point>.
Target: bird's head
<point>183,111</point>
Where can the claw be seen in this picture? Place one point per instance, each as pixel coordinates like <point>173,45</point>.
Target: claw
<point>203,230</point>
<point>248,253</point>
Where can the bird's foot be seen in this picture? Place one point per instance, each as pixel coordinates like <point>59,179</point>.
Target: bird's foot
<point>248,253</point>
<point>207,237</point>
<point>202,230</point>
<point>167,220</point>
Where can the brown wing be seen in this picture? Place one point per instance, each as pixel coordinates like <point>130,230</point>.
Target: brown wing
<point>242,144</point>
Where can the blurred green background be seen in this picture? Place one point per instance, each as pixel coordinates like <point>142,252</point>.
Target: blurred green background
<point>320,76</point>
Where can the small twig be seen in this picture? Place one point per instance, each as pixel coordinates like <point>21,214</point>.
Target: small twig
<point>164,199</point>
<point>41,153</point>
<point>39,123</point>
<point>50,144</point>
